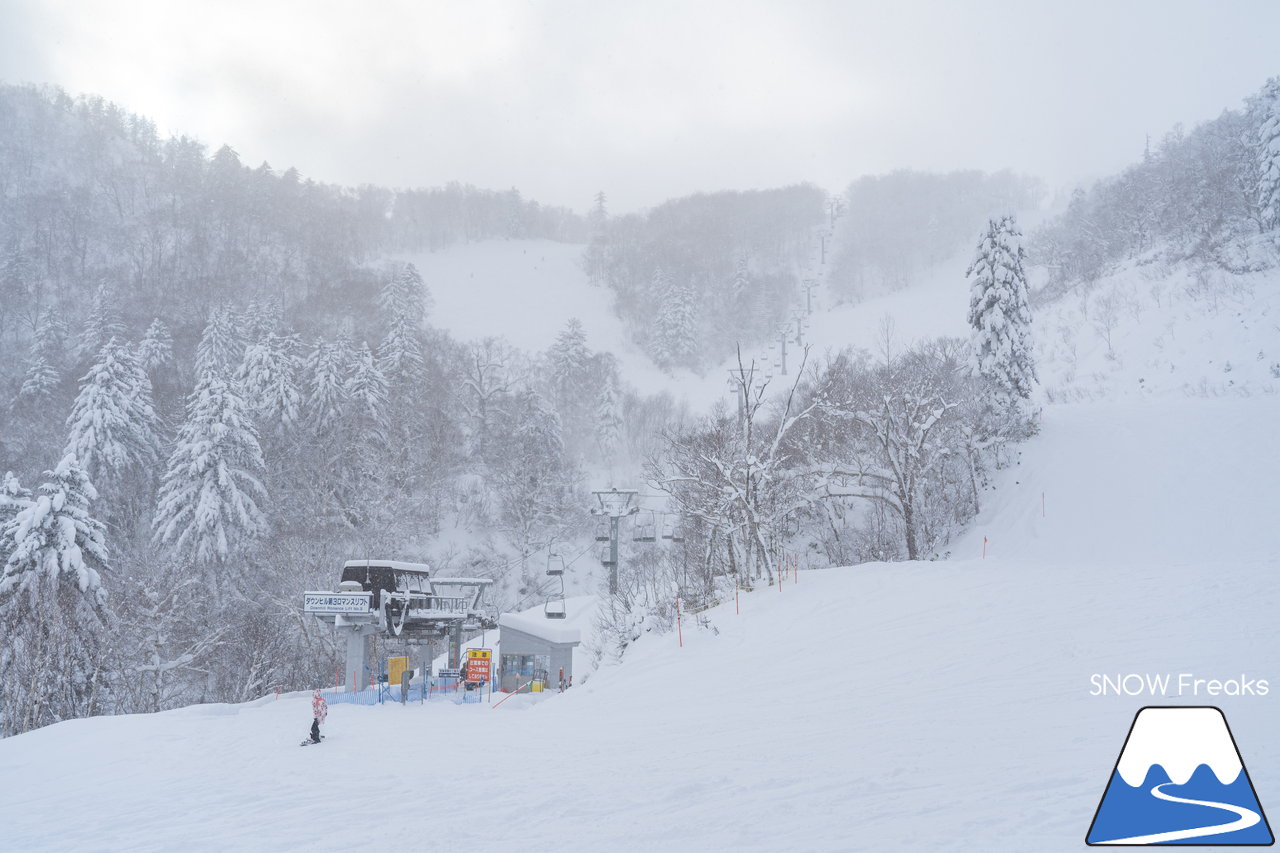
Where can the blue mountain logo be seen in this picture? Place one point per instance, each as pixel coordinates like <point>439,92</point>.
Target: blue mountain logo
<point>1180,780</point>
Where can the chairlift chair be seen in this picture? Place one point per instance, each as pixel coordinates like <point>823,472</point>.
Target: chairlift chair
<point>671,530</point>
<point>554,608</point>
<point>647,529</point>
<point>602,530</point>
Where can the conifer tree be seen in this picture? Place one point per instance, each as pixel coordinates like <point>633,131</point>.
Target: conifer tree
<point>676,339</point>
<point>209,507</point>
<point>403,301</point>
<point>221,345</point>
<point>52,604</point>
<point>39,382</point>
<point>1000,314</point>
<point>570,362</point>
<point>13,499</point>
<point>608,419</point>
<point>43,372</point>
<point>263,319</point>
<point>741,284</point>
<point>268,379</point>
<point>114,429</point>
<point>326,387</point>
<point>55,540</point>
<point>103,323</point>
<point>366,421</point>
<point>156,348</point>
<point>1268,103</point>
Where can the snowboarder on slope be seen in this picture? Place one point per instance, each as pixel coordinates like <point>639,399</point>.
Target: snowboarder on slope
<point>319,710</point>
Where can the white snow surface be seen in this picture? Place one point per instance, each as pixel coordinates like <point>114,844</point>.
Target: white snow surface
<point>910,706</point>
<point>1179,740</point>
<point>525,291</point>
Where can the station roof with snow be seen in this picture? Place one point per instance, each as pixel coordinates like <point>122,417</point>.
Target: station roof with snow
<point>535,624</point>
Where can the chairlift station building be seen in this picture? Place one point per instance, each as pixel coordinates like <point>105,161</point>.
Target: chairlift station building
<point>534,649</point>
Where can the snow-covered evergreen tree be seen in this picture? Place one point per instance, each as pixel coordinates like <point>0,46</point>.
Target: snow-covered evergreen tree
<point>103,322</point>
<point>50,339</point>
<point>403,301</point>
<point>13,499</point>
<point>52,604</point>
<point>364,433</point>
<point>599,215</point>
<point>17,279</point>
<point>400,353</point>
<point>608,419</point>
<point>326,385</point>
<point>39,382</point>
<point>263,319</point>
<point>156,348</point>
<point>367,397</point>
<point>740,286</point>
<point>209,507</point>
<point>221,345</point>
<point>114,429</point>
<point>569,359</point>
<point>1000,313</point>
<point>55,540</point>
<point>268,379</point>
<point>1268,105</point>
<point>595,259</point>
<point>534,480</point>
<point>676,336</point>
<point>43,371</point>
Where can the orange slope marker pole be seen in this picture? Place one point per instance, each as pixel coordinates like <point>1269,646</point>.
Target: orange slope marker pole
<point>679,627</point>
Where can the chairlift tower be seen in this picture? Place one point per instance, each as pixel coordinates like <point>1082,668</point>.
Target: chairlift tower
<point>747,381</point>
<point>809,285</point>
<point>614,504</point>
<point>801,324</point>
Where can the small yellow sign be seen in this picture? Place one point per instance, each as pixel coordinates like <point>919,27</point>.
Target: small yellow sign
<point>479,654</point>
<point>396,668</point>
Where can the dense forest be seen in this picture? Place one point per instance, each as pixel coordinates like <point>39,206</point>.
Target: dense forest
<point>1210,196</point>
<point>895,227</point>
<point>695,276</point>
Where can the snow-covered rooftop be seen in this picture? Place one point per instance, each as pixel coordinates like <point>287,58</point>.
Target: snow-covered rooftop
<point>390,564</point>
<point>532,622</point>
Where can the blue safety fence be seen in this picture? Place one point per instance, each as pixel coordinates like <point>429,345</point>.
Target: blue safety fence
<point>436,690</point>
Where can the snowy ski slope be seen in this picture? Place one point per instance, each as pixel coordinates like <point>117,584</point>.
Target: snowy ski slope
<point>1148,329</point>
<point>929,706</point>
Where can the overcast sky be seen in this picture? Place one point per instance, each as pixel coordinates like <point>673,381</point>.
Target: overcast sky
<point>648,100</point>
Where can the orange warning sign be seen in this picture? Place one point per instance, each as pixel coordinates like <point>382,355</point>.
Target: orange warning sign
<point>479,664</point>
